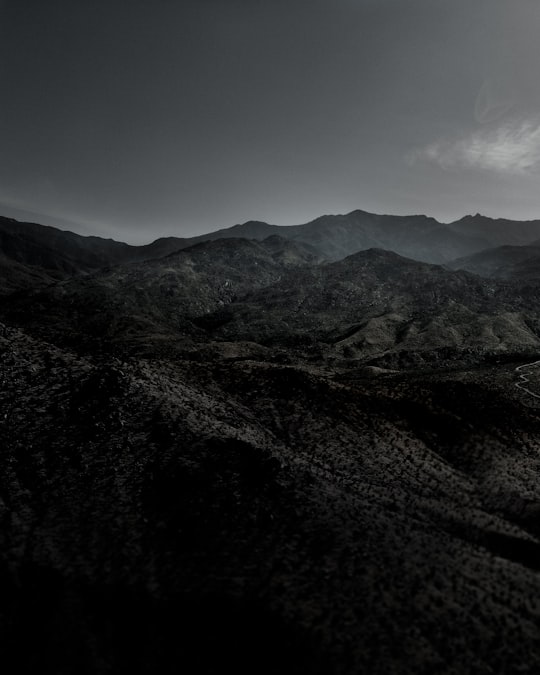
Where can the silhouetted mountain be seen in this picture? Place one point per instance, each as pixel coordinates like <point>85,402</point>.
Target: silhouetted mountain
<point>63,252</point>
<point>418,237</point>
<point>498,231</point>
<point>335,237</point>
<point>330,237</point>
<point>518,263</point>
<point>160,248</point>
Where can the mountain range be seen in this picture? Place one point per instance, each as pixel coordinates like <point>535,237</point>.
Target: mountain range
<point>62,253</point>
<point>305,450</point>
<point>372,304</point>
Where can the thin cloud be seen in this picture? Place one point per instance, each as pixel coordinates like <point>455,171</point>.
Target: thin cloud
<point>496,97</point>
<point>512,148</point>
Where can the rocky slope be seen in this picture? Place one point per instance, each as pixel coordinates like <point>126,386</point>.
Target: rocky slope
<point>212,514</point>
<point>372,305</point>
<point>158,299</point>
<point>15,276</point>
<point>241,458</point>
<point>376,304</point>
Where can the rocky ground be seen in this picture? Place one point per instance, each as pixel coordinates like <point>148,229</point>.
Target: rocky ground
<point>234,512</point>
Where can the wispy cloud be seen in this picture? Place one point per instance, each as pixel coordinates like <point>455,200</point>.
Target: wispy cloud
<point>510,148</point>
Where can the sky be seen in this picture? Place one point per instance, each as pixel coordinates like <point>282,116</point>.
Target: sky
<point>135,119</point>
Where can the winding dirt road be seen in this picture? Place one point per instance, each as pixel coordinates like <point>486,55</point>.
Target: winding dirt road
<point>524,380</point>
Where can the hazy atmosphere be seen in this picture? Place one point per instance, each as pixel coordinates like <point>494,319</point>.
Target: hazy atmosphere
<point>136,119</point>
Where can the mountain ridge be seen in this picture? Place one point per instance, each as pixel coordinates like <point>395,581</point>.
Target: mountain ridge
<point>510,262</point>
<point>372,304</point>
<point>332,237</point>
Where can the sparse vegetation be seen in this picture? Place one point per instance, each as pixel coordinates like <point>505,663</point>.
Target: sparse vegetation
<point>235,459</point>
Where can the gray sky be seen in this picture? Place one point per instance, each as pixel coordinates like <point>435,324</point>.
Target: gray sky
<point>140,118</point>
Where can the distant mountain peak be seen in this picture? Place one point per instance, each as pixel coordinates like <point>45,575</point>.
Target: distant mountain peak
<point>252,223</point>
<point>471,216</point>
